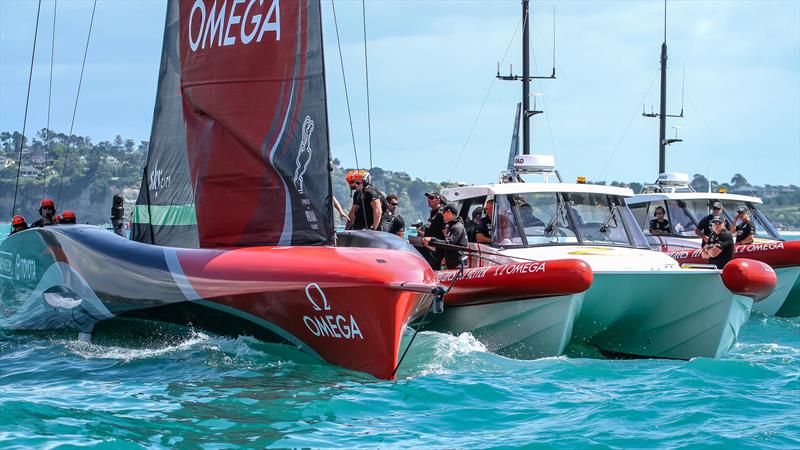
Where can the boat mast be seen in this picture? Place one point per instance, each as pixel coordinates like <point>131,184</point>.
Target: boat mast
<point>526,83</point>
<point>526,79</point>
<point>662,115</point>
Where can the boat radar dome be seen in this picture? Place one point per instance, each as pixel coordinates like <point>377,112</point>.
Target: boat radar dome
<point>534,163</point>
<point>673,179</point>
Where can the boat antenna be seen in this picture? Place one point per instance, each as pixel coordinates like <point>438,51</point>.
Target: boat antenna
<point>662,115</point>
<point>526,79</point>
<point>25,117</point>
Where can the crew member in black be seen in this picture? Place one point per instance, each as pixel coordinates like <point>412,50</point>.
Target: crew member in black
<point>396,225</point>
<point>18,224</point>
<point>117,212</point>
<point>719,248</point>
<point>434,228</point>
<point>745,231</point>
<point>703,229</point>
<point>454,234</point>
<point>366,212</point>
<point>472,225</point>
<point>659,225</point>
<point>47,209</point>
<point>484,230</point>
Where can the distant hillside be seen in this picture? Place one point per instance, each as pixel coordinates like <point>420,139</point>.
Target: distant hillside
<point>95,172</point>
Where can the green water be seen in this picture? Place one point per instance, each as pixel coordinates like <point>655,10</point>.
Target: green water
<point>156,386</point>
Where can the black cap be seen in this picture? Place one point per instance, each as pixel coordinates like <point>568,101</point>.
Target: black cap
<point>450,208</point>
<point>743,210</point>
<point>717,219</point>
<point>716,205</point>
<point>433,195</point>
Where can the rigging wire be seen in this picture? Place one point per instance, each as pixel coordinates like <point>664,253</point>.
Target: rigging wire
<point>483,104</point>
<point>75,108</point>
<point>344,79</point>
<point>366,74</point>
<point>49,101</point>
<point>624,132</point>
<point>25,117</point>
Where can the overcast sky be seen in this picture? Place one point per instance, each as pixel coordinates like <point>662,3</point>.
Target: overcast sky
<point>431,64</point>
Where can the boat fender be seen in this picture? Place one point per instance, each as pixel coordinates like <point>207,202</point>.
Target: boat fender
<point>749,278</point>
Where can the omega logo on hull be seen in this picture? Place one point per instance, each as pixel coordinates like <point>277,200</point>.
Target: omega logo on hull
<point>329,325</point>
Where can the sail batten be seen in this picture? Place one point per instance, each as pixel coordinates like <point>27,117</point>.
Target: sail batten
<point>254,157</point>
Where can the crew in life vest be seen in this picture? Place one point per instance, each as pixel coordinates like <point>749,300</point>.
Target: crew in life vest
<point>719,248</point>
<point>47,211</point>
<point>746,230</point>
<point>18,224</point>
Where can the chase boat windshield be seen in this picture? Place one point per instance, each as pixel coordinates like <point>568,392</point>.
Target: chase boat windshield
<point>527,219</point>
<point>685,208</point>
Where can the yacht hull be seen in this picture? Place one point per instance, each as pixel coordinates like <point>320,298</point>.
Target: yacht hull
<point>347,306</point>
<point>661,314</point>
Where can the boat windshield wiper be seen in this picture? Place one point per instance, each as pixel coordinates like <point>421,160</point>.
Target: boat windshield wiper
<point>607,223</point>
<point>553,224</point>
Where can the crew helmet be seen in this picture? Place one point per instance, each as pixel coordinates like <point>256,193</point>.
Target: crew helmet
<point>68,217</point>
<point>363,176</point>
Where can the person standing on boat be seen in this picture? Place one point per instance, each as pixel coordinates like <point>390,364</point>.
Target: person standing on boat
<point>433,228</point>
<point>366,212</point>
<point>746,230</point>
<point>47,211</point>
<point>397,224</point>
<point>719,248</point>
<point>117,211</point>
<point>18,224</point>
<point>703,229</point>
<point>659,225</point>
<point>454,234</point>
<point>484,231</point>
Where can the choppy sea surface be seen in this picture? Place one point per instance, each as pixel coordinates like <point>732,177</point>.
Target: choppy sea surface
<point>157,386</point>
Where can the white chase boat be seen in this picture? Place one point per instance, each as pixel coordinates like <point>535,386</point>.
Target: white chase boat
<point>685,208</point>
<point>641,302</point>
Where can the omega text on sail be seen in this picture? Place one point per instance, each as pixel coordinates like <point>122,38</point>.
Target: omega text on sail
<point>220,26</point>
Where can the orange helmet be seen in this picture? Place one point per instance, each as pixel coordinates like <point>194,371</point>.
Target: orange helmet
<point>57,219</point>
<point>17,220</point>
<point>68,217</point>
<point>362,176</point>
<point>48,202</point>
<point>350,175</point>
